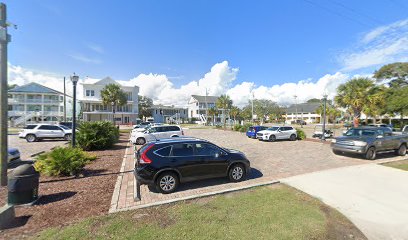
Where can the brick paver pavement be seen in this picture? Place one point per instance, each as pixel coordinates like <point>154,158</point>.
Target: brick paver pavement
<point>270,161</point>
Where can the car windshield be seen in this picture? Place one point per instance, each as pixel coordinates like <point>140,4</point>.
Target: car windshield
<point>360,132</point>
<point>273,128</point>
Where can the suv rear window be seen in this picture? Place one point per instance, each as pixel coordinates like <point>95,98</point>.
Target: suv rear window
<point>165,152</point>
<point>183,149</point>
<point>30,126</point>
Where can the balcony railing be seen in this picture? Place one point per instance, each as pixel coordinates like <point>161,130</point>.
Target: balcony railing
<point>14,113</point>
<point>33,100</point>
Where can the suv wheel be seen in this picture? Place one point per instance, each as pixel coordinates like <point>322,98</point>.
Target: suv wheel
<point>272,138</point>
<point>371,153</point>
<point>167,182</point>
<point>237,173</point>
<point>140,141</point>
<point>68,137</point>
<point>292,137</point>
<point>31,138</point>
<point>402,150</point>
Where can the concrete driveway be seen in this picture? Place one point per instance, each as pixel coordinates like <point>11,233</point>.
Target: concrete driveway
<point>373,197</point>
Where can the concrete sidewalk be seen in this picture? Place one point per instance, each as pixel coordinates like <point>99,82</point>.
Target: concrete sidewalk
<point>373,197</point>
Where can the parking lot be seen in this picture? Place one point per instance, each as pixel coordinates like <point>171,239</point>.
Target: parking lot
<point>269,161</point>
<point>28,149</point>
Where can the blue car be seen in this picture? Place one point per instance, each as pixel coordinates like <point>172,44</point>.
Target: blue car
<point>251,133</point>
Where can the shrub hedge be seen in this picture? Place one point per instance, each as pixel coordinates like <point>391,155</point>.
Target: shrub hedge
<point>97,135</point>
<point>62,161</point>
<point>301,135</point>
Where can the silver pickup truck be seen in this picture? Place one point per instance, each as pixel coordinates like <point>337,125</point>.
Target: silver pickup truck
<point>367,141</point>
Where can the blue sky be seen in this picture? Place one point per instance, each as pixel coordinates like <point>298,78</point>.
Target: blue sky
<point>270,42</point>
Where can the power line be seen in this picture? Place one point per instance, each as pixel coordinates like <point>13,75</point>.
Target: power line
<point>356,12</point>
<point>337,13</point>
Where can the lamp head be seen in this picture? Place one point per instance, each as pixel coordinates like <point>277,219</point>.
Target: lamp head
<point>74,79</point>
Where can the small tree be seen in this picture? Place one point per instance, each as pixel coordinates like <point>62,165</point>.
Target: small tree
<point>212,112</point>
<point>354,95</point>
<point>396,73</point>
<point>145,104</point>
<point>235,112</point>
<point>224,103</point>
<point>113,95</point>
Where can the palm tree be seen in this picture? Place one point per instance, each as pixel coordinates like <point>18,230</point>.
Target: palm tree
<point>234,112</point>
<point>224,103</point>
<point>376,103</point>
<point>212,112</point>
<point>354,95</point>
<point>112,95</point>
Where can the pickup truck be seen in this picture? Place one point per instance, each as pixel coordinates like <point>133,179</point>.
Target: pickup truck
<point>367,141</point>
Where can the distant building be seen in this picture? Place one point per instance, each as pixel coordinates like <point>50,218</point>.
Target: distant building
<point>34,103</point>
<point>93,110</point>
<point>198,106</point>
<point>169,114</point>
<point>303,111</point>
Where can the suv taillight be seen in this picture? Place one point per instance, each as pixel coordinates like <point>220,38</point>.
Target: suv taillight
<point>143,158</point>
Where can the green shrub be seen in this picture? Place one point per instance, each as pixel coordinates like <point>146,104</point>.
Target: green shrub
<point>97,135</point>
<point>300,134</point>
<point>237,127</point>
<point>62,161</point>
<point>245,127</point>
<point>218,126</point>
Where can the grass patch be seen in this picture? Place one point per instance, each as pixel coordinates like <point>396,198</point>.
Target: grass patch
<point>125,130</point>
<point>403,164</point>
<point>278,212</point>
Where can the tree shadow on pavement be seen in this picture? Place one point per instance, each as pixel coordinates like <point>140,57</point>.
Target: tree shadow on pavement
<point>55,197</point>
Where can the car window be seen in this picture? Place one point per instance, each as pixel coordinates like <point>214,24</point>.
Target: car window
<point>287,128</point>
<point>152,130</point>
<point>264,128</point>
<point>205,149</point>
<point>64,127</point>
<point>55,128</point>
<point>250,129</point>
<point>160,129</point>
<point>45,127</point>
<point>164,152</point>
<point>182,150</point>
<point>173,128</point>
<point>30,126</point>
<point>273,128</point>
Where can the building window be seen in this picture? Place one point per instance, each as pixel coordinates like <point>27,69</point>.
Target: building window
<point>61,108</point>
<point>197,111</point>
<point>129,96</point>
<point>90,93</point>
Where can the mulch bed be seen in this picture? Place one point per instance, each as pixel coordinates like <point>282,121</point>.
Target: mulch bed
<point>68,199</point>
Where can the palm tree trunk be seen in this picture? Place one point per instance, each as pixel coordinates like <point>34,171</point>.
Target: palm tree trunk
<point>402,120</point>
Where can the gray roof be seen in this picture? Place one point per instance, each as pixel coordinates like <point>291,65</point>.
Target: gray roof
<point>160,106</point>
<point>303,107</point>
<point>211,99</point>
<point>33,88</point>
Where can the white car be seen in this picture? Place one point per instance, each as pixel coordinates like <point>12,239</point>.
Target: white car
<point>34,132</point>
<point>277,132</point>
<point>155,133</point>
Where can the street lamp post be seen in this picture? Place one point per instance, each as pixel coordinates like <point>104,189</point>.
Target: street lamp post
<point>252,117</point>
<point>296,118</point>
<point>74,80</point>
<point>324,117</point>
<point>113,113</point>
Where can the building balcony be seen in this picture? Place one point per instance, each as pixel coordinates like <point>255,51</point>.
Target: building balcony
<point>15,113</point>
<point>34,101</point>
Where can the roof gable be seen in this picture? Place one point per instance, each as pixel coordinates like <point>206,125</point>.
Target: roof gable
<point>106,81</point>
<point>210,99</point>
<point>34,88</point>
<point>303,107</point>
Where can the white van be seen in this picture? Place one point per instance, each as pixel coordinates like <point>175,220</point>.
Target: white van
<point>154,133</point>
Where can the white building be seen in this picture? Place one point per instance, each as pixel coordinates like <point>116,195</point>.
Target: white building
<point>303,111</point>
<point>198,105</point>
<point>93,110</point>
<point>169,114</point>
<point>33,103</point>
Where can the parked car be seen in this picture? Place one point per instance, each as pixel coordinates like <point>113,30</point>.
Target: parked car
<point>34,132</point>
<point>13,154</point>
<point>252,131</point>
<point>166,163</point>
<point>66,124</point>
<point>277,133</point>
<point>154,133</point>
<point>380,125</point>
<point>368,141</point>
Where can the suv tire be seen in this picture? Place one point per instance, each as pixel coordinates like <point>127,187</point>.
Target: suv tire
<point>67,137</point>
<point>272,138</point>
<point>402,150</point>
<point>292,137</point>
<point>167,182</point>
<point>31,138</point>
<point>371,153</point>
<point>140,141</point>
<point>237,173</point>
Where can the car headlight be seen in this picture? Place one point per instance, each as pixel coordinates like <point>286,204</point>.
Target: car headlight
<point>333,140</point>
<point>360,143</point>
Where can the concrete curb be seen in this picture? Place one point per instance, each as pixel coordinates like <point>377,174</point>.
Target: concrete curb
<point>196,196</point>
<point>116,191</point>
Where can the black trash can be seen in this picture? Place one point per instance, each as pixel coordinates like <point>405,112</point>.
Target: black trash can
<point>23,184</point>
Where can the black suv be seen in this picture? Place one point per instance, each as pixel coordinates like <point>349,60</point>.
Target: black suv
<point>166,163</point>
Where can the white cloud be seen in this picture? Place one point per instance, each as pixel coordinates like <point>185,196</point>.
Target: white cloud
<point>382,45</point>
<point>95,47</point>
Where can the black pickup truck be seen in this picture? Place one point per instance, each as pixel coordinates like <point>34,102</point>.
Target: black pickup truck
<point>367,141</point>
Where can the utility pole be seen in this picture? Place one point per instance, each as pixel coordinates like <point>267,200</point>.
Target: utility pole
<point>296,118</point>
<point>65,103</point>
<point>252,117</point>
<point>4,40</point>
<point>206,106</point>
<point>324,117</point>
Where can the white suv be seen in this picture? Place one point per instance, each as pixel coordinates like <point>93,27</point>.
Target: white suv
<point>154,133</point>
<point>273,133</point>
<point>34,132</point>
